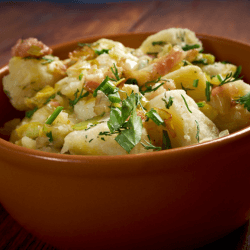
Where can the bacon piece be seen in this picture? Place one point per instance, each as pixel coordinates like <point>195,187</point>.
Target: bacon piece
<point>30,47</point>
<point>91,86</point>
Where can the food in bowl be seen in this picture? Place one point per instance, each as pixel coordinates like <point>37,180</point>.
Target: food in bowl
<point>108,99</point>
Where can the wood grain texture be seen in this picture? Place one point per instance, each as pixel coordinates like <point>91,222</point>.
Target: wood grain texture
<point>55,23</point>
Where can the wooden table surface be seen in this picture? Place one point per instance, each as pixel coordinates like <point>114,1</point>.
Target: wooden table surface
<point>54,23</point>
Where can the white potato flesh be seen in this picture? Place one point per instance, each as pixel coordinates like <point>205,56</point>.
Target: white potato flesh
<point>219,68</point>
<point>184,122</point>
<point>230,116</point>
<point>174,36</point>
<point>84,109</point>
<point>27,76</point>
<point>89,142</point>
<point>185,76</point>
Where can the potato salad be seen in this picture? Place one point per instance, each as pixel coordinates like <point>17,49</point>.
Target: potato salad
<point>108,99</point>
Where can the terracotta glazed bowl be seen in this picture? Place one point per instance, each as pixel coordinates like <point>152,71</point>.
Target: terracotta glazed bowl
<point>176,198</point>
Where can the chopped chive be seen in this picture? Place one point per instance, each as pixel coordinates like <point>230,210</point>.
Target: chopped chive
<point>54,115</point>
<point>200,104</point>
<point>100,86</point>
<point>166,143</point>
<point>186,103</point>
<point>158,43</point>
<point>195,83</point>
<point>237,72</point>
<point>49,135</point>
<point>189,47</point>
<point>168,103</point>
<point>207,91</point>
<point>80,76</point>
<point>115,72</point>
<point>198,131</point>
<point>219,77</point>
<point>77,99</point>
<point>49,99</point>
<point>30,113</point>
<point>150,146</point>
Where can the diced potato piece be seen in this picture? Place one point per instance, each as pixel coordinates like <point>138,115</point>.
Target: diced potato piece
<point>27,77</point>
<point>89,142</point>
<point>84,109</point>
<point>185,76</point>
<point>187,126</point>
<point>219,68</point>
<point>174,36</point>
<point>230,116</point>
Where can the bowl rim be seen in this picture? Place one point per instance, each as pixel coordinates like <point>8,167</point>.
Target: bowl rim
<point>6,146</point>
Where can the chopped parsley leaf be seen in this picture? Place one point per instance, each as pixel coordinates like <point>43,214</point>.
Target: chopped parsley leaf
<point>99,52</point>
<point>244,100</point>
<point>154,116</point>
<point>132,81</point>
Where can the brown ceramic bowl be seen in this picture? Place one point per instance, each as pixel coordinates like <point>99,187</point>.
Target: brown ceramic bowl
<point>176,198</point>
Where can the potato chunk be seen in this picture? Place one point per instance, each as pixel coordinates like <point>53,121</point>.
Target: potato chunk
<point>91,142</point>
<point>28,76</point>
<point>189,128</point>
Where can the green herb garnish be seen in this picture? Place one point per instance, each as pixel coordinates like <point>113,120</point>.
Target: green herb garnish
<point>30,113</point>
<point>166,143</point>
<point>244,100</point>
<point>200,61</point>
<point>195,83</point>
<point>49,135</point>
<point>230,77</point>
<point>186,89</point>
<point>168,103</point>
<point>115,72</point>
<point>54,115</point>
<point>158,43</point>
<point>80,76</point>
<point>154,116</point>
<point>132,81</point>
<point>48,60</point>
<point>186,103</point>
<point>77,99</point>
<point>200,104</point>
<point>198,131</point>
<point>149,88</point>
<point>149,146</point>
<point>85,44</point>
<point>189,47</point>
<point>99,52</point>
<point>207,90</point>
